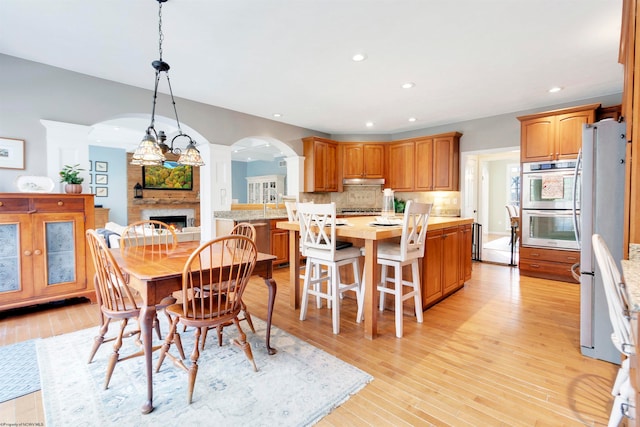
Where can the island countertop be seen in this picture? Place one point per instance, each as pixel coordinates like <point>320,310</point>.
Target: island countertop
<point>631,272</point>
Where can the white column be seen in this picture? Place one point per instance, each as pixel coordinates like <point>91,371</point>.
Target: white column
<point>215,185</point>
<point>295,175</point>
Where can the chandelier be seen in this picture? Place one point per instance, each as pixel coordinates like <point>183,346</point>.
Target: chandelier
<point>152,148</point>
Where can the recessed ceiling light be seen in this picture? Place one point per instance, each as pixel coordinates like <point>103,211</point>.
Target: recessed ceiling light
<point>555,89</point>
<point>359,57</point>
<point>277,115</point>
<point>412,119</point>
<point>408,85</point>
<point>369,124</point>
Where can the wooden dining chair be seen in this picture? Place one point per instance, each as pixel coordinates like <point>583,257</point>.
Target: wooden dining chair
<point>318,237</point>
<point>240,229</point>
<point>155,236</point>
<point>225,264</point>
<point>397,255</point>
<point>116,301</point>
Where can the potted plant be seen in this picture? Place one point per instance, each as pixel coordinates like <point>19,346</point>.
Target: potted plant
<point>70,176</point>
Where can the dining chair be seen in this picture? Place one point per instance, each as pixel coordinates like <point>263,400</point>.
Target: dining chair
<point>318,237</point>
<point>116,301</point>
<point>408,251</point>
<point>225,264</point>
<point>292,216</point>
<point>155,236</point>
<point>241,229</point>
<point>622,336</point>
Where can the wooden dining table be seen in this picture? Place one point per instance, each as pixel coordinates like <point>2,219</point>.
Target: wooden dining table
<point>361,231</point>
<point>157,274</point>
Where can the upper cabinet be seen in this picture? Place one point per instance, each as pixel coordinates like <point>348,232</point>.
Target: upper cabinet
<point>401,165</point>
<point>438,162</point>
<point>362,160</point>
<point>554,135</point>
<point>321,165</point>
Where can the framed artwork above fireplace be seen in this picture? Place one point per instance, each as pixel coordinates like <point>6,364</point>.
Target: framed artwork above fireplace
<point>170,176</point>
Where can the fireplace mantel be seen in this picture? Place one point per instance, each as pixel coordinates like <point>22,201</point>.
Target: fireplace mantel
<point>165,202</point>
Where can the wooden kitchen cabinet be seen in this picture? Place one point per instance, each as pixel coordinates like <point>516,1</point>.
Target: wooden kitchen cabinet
<point>466,249</point>
<point>321,165</point>
<point>552,264</point>
<point>44,255</point>
<point>437,161</point>
<point>279,243</point>
<point>554,135</point>
<point>441,265</point>
<point>362,160</point>
<point>401,165</point>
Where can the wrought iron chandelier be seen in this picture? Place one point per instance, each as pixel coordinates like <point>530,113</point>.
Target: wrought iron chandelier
<point>152,148</point>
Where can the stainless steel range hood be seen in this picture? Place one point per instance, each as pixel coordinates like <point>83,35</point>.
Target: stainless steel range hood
<point>363,181</point>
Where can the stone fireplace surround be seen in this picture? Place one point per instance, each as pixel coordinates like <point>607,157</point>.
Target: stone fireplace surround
<point>189,213</point>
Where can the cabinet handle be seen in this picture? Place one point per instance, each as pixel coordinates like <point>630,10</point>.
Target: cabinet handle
<point>27,253</point>
<point>535,265</point>
<point>571,258</point>
<point>535,255</point>
<point>37,252</point>
<point>60,203</point>
<point>1,204</point>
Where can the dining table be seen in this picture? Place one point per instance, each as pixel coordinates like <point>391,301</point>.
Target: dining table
<point>156,274</point>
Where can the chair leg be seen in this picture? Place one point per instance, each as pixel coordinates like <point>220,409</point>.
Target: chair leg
<point>383,283</point>
<point>398,299</point>
<point>305,291</point>
<point>193,368</point>
<point>97,342</point>
<point>115,356</point>
<point>156,326</point>
<point>335,294</point>
<point>417,297</point>
<point>359,290</point>
<point>244,345</point>
<point>247,317</point>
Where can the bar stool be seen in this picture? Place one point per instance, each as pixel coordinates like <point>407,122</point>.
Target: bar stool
<point>318,238</point>
<point>407,252</point>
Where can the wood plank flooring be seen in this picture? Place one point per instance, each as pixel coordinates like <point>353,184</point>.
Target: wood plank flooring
<point>502,351</point>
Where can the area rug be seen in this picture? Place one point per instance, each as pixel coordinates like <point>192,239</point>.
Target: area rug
<point>18,370</point>
<point>295,387</point>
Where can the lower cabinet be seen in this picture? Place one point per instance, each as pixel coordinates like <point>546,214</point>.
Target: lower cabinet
<point>279,243</point>
<point>552,264</point>
<point>43,253</point>
<point>446,264</point>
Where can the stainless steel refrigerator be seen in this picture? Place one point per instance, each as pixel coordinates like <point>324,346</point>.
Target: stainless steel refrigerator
<point>602,173</point>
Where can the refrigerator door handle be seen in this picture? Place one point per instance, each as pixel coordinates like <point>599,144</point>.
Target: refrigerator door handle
<point>576,225</point>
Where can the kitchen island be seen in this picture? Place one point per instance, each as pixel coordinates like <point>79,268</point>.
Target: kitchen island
<point>446,264</point>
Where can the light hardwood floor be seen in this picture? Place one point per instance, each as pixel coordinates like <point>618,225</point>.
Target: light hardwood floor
<point>502,351</point>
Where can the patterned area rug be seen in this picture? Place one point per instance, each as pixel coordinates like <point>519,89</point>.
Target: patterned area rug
<point>18,370</point>
<point>296,387</point>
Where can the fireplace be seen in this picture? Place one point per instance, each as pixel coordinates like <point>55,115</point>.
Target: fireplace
<point>178,221</point>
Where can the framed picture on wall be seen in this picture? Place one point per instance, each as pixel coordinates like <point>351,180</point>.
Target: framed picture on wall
<point>11,153</point>
<point>102,166</point>
<point>170,176</point>
<point>102,179</point>
<point>102,191</point>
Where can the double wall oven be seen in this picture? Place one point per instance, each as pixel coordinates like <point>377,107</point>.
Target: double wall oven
<point>550,197</point>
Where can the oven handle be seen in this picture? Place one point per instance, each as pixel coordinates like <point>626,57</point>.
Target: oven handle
<point>576,226</point>
<point>550,213</point>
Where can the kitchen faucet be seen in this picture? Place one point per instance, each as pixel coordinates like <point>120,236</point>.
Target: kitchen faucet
<point>265,199</point>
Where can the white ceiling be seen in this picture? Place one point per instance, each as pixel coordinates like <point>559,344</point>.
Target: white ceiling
<point>468,58</point>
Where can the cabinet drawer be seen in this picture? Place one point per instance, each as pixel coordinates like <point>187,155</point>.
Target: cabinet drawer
<point>546,270</point>
<point>538,254</point>
<point>11,205</point>
<point>56,204</point>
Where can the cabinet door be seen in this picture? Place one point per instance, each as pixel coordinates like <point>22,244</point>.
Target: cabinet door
<point>373,161</point>
<point>466,247</point>
<point>424,164</point>
<point>58,253</point>
<point>446,164</point>
<point>401,166</point>
<point>569,133</point>
<point>432,268</point>
<point>451,259</point>
<point>537,139</point>
<point>16,258</point>
<point>331,168</point>
<point>280,246</point>
<point>353,161</point>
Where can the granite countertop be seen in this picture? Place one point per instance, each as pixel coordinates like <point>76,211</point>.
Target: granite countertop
<point>248,215</point>
<point>631,273</point>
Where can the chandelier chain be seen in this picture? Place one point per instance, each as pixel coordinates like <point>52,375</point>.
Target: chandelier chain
<point>160,33</point>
